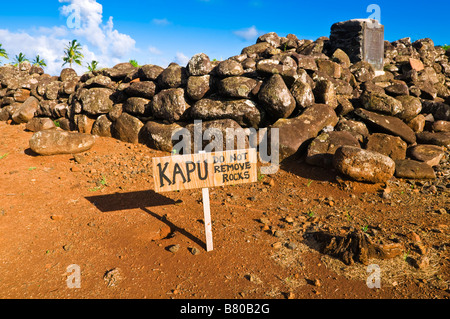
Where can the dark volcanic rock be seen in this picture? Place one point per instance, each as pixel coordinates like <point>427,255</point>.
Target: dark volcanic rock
<point>392,146</point>
<point>243,111</point>
<point>389,124</point>
<point>322,148</point>
<point>363,165</point>
<point>413,170</point>
<point>276,98</point>
<point>53,142</point>
<point>294,132</point>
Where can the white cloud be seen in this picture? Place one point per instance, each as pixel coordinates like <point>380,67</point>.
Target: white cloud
<point>154,50</point>
<point>99,41</point>
<point>247,34</point>
<point>181,59</point>
<point>161,22</point>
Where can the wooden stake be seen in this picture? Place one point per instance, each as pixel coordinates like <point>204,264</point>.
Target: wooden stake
<point>207,218</point>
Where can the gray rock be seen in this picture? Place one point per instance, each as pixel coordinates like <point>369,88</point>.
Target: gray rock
<point>382,103</point>
<point>237,86</point>
<point>325,93</point>
<point>96,101</point>
<point>174,76</point>
<point>37,124</point>
<point>229,67</point>
<point>127,128</point>
<point>276,98</point>
<point>169,105</point>
<point>143,89</point>
<point>159,135</point>
<point>149,72</point>
<point>322,148</point>
<point>243,111</point>
<point>119,71</point>
<point>363,165</point>
<point>302,93</point>
<point>411,107</point>
<point>389,124</point>
<point>198,86</point>
<point>102,126</point>
<point>199,64</point>
<point>358,129</point>
<point>294,132</point>
<point>53,142</point>
<point>26,111</point>
<point>137,106</point>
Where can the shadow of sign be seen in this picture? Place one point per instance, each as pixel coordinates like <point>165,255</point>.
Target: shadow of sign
<point>142,200</point>
<point>131,200</point>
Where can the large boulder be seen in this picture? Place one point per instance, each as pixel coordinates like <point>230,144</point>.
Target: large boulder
<point>322,148</point>
<point>96,100</point>
<point>295,132</point>
<point>413,170</point>
<point>26,111</point>
<point>383,103</point>
<point>392,146</point>
<point>37,124</point>
<point>198,86</point>
<point>144,89</point>
<point>434,138</point>
<point>149,72</point>
<point>174,76</point>
<point>169,105</point>
<point>53,142</point>
<point>127,128</point>
<point>243,111</point>
<point>102,126</point>
<point>199,64</point>
<point>158,135</point>
<point>137,106</point>
<point>237,87</point>
<point>388,124</point>
<point>119,71</point>
<point>363,165</point>
<point>276,98</point>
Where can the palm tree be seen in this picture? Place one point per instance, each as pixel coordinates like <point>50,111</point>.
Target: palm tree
<point>3,53</point>
<point>39,62</point>
<point>92,66</point>
<point>73,54</point>
<point>19,59</point>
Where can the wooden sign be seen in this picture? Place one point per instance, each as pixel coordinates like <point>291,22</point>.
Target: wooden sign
<point>204,170</point>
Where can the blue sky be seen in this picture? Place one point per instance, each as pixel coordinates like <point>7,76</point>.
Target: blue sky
<point>160,32</point>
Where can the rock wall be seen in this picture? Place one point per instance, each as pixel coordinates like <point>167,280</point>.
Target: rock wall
<point>318,99</point>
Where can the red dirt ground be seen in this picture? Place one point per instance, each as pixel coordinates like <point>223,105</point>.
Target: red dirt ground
<point>98,211</point>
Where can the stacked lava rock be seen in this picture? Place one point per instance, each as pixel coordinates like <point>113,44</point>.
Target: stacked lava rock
<point>336,113</point>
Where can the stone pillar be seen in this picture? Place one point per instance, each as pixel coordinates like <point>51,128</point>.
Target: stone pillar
<point>361,39</point>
